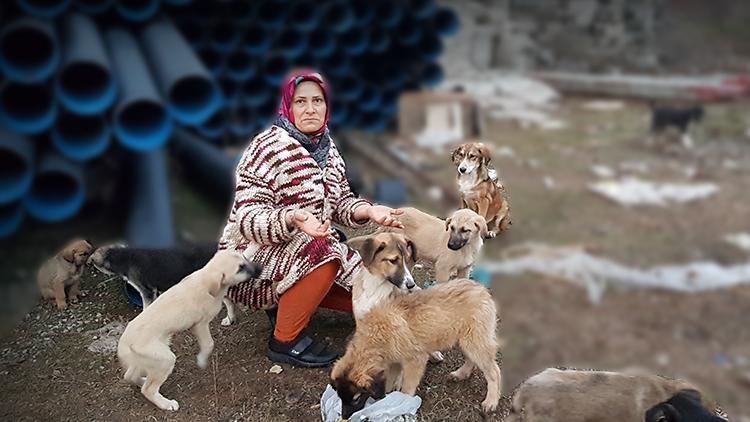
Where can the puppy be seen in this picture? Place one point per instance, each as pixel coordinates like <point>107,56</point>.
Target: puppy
<point>402,331</point>
<point>685,406</point>
<point>144,350</point>
<point>480,189</point>
<point>151,271</point>
<point>666,119</point>
<point>451,246</point>
<point>386,259</point>
<point>64,270</point>
<point>575,395</point>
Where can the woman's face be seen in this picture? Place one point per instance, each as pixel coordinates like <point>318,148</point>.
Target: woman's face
<point>308,107</point>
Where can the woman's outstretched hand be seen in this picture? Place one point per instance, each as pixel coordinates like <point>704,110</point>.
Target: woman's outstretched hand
<point>385,216</point>
<point>306,222</point>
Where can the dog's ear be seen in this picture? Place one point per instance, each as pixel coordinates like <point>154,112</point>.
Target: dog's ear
<point>216,286</point>
<point>69,254</point>
<point>377,386</point>
<point>448,223</point>
<point>484,152</point>
<point>455,152</point>
<point>481,224</point>
<point>367,248</point>
<point>662,412</point>
<point>412,250</point>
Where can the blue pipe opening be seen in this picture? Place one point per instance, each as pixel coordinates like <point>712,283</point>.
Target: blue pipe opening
<point>240,66</point>
<point>338,16</point>
<point>446,22</point>
<point>93,7</point>
<point>27,108</point>
<point>256,40</point>
<point>81,138</point>
<point>137,10</point>
<point>29,50</point>
<point>322,43</point>
<point>57,192</point>
<point>16,166</point>
<point>44,8</point>
<point>142,125</point>
<point>11,217</point>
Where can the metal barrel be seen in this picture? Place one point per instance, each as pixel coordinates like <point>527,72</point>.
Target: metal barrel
<point>80,137</point>
<point>150,223</point>
<point>16,166</point>
<point>29,50</point>
<point>27,108</point>
<point>211,169</point>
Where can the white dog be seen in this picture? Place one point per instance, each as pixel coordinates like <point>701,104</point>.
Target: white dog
<point>144,350</point>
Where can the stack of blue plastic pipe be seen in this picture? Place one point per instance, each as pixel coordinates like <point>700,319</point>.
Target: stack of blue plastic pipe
<point>92,75</point>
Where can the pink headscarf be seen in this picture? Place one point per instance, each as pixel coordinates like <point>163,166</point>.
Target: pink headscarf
<point>287,93</point>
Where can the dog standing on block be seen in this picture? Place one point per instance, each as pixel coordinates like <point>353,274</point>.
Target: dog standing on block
<point>403,331</point>
<point>481,190</point>
<point>144,350</point>
<point>64,270</point>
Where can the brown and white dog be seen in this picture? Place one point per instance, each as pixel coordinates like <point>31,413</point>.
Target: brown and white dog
<point>480,188</point>
<point>386,259</point>
<point>384,274</point>
<point>451,246</point>
<point>64,270</point>
<point>401,333</point>
<point>191,304</point>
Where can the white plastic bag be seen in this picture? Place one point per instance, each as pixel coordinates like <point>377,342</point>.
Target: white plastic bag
<point>395,407</point>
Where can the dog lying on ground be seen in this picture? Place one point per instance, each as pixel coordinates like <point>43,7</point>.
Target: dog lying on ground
<point>384,274</point>
<point>685,406</point>
<point>481,190</point>
<point>576,395</point>
<point>666,119</point>
<point>401,332</point>
<point>64,270</point>
<point>451,246</point>
<point>144,350</point>
<point>151,271</point>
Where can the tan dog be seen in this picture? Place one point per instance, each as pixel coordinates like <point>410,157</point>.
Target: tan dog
<point>480,189</point>
<point>402,332</point>
<point>384,274</point>
<point>575,395</point>
<point>144,350</point>
<point>452,246</point>
<point>64,270</point>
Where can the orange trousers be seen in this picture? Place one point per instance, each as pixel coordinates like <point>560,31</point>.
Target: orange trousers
<point>299,302</point>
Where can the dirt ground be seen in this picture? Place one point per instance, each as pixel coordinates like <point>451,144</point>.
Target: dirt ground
<point>62,365</point>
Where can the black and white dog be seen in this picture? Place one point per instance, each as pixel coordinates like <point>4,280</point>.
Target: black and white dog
<point>151,271</point>
<point>685,406</point>
<point>679,119</point>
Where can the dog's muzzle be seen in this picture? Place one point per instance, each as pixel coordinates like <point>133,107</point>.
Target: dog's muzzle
<point>462,170</point>
<point>251,269</point>
<point>455,245</point>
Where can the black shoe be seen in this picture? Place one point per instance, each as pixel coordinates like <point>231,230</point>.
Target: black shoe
<point>302,352</point>
<point>272,316</point>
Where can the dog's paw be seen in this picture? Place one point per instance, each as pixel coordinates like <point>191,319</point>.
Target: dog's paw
<point>489,406</point>
<point>226,321</point>
<point>202,361</point>
<point>459,375</point>
<point>490,234</point>
<point>171,405</point>
<point>436,357</point>
<point>62,306</point>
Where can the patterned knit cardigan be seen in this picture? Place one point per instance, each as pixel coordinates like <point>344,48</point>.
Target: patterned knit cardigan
<point>277,174</point>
